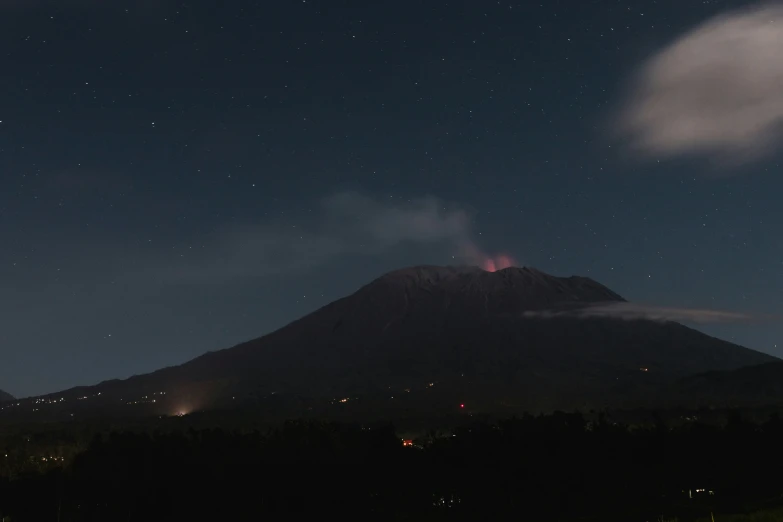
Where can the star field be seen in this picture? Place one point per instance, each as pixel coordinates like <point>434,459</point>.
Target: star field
<point>180,177</point>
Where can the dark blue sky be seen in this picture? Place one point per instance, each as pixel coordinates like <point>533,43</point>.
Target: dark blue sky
<point>178,177</point>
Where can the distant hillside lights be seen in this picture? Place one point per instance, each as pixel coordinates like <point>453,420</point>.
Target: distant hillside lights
<point>699,492</point>
<point>405,390</point>
<point>48,400</point>
<point>45,401</point>
<point>147,399</point>
<point>446,502</point>
<point>50,459</point>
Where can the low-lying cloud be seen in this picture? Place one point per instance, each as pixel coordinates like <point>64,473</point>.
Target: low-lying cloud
<point>633,311</point>
<point>717,91</point>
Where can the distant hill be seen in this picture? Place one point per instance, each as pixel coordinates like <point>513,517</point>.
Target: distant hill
<point>425,340</point>
<point>743,387</point>
<point>5,397</point>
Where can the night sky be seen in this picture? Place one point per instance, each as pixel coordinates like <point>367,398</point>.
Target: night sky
<point>179,177</point>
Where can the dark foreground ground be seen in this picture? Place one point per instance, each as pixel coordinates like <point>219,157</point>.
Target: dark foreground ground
<point>559,467</point>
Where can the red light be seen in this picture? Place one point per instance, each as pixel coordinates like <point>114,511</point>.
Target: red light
<point>489,265</point>
<point>498,263</point>
<point>461,405</point>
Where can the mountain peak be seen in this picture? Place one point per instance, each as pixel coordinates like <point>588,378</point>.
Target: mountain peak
<point>522,288</point>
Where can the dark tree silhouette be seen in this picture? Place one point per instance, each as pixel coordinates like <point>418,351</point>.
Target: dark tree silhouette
<point>555,467</point>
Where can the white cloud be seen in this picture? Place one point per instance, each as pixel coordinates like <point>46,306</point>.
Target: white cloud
<point>633,311</point>
<point>717,91</point>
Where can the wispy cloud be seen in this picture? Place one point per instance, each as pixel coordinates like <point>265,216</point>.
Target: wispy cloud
<point>717,91</point>
<point>632,311</point>
<point>344,224</point>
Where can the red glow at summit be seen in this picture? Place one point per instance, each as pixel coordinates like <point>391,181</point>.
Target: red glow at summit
<point>497,263</point>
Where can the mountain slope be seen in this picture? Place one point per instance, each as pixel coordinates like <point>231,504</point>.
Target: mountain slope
<point>460,327</point>
<point>746,386</point>
<point>456,320</point>
<point>5,397</point>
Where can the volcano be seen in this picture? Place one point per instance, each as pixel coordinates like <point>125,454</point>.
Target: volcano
<point>436,337</point>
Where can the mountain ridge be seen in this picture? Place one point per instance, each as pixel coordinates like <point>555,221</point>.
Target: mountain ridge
<point>462,327</point>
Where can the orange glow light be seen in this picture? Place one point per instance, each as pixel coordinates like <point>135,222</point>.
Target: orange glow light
<point>498,263</point>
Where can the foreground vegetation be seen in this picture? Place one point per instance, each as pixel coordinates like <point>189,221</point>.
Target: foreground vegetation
<point>772,515</point>
<point>557,467</point>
